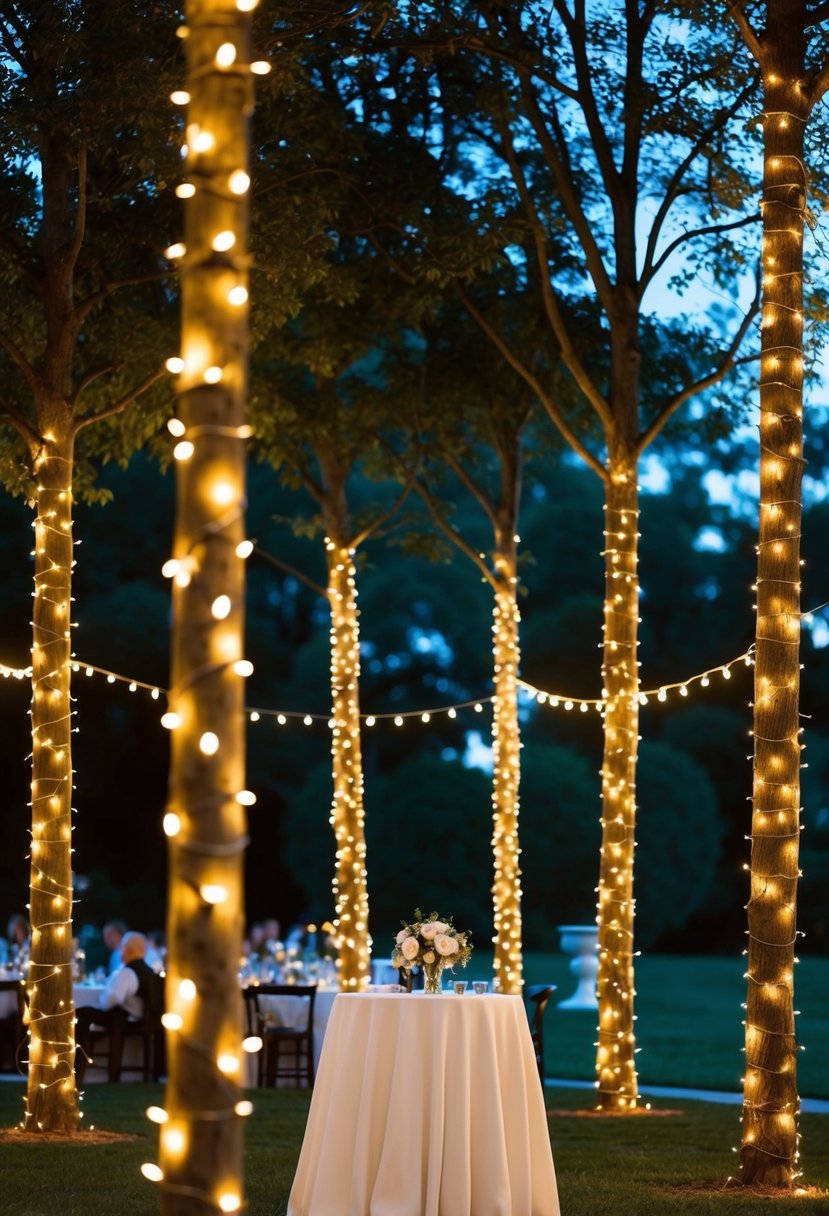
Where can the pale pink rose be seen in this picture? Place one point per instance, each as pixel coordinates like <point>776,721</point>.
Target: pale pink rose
<point>409,947</point>
<point>446,945</point>
<point>429,956</point>
<point>401,937</point>
<point>428,931</point>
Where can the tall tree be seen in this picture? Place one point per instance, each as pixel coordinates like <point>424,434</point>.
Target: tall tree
<point>80,341</point>
<point>791,51</point>
<point>330,326</point>
<point>201,1134</point>
<point>473,421</point>
<point>600,129</point>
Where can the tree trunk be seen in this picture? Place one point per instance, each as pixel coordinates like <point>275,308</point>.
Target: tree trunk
<point>770,1100</point>
<point>615,1058</point>
<point>347,812</point>
<point>506,744</point>
<point>51,1101</point>
<point>201,1140</point>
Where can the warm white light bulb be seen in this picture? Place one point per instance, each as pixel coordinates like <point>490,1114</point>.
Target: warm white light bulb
<point>187,990</point>
<point>243,668</point>
<point>175,365</point>
<point>246,797</point>
<point>226,55</point>
<point>228,1063</point>
<point>179,97</point>
<point>244,548</point>
<point>237,296</point>
<point>229,1201</point>
<point>150,1170</point>
<point>252,1044</point>
<point>170,720</point>
<point>171,824</point>
<point>212,375</point>
<point>185,190</point>
<point>156,1114</point>
<point>184,450</point>
<point>213,893</point>
<point>223,241</point>
<point>176,427</point>
<point>244,1108</point>
<point>221,606</point>
<point>239,182</point>
<point>172,1021</point>
<point>209,743</point>
<point>175,251</point>
<point>260,67</point>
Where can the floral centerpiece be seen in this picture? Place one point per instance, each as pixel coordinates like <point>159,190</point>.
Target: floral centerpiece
<point>430,943</point>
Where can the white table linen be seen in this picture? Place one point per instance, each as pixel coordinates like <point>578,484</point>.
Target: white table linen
<point>426,1106</point>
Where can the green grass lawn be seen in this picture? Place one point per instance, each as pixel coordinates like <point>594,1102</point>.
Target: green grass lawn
<point>689,1023</point>
<point>624,1167</point>
<point>690,1032</point>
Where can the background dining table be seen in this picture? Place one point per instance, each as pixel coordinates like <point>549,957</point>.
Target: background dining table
<point>426,1105</point>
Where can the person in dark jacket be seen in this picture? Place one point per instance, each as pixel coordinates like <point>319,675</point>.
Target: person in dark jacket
<point>133,992</point>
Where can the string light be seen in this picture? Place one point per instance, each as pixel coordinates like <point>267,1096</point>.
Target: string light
<point>506,750</point>
<point>205,821</point>
<point>769,1149</point>
<point>347,811</point>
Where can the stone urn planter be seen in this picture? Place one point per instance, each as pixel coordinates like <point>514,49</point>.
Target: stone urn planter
<point>582,942</point>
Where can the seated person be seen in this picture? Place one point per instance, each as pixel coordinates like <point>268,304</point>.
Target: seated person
<point>113,933</point>
<point>132,993</point>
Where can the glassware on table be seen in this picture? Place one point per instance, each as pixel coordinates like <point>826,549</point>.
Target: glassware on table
<point>479,987</point>
<point>459,987</point>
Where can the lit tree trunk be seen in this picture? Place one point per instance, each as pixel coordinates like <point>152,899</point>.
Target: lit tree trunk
<point>615,1059</point>
<point>770,1100</point>
<point>51,1102</point>
<point>347,812</point>
<point>506,744</point>
<point>201,1137</point>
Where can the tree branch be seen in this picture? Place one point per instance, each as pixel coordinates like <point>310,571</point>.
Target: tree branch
<point>80,215</point>
<point>387,515</point>
<point>22,425</point>
<point>286,569</point>
<point>90,377</point>
<point>29,373</point>
<point>453,534</point>
<point>471,485</point>
<point>672,189</point>
<point>692,234</point>
<point>744,26</point>
<point>728,362</point>
<point>498,341</point>
<point>119,406</point>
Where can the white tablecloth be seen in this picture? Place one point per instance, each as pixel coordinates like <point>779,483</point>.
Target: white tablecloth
<point>426,1106</point>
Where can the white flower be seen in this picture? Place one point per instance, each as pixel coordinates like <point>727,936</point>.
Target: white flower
<point>401,937</point>
<point>410,947</point>
<point>446,945</point>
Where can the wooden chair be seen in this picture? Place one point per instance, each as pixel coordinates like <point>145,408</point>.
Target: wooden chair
<point>107,1042</point>
<point>12,1026</point>
<point>539,996</point>
<point>287,1051</point>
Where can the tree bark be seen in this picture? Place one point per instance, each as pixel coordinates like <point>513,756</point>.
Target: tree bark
<point>51,1100</point>
<point>615,1057</point>
<point>201,1141</point>
<point>770,1102</point>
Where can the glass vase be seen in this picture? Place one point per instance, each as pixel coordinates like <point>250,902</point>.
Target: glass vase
<point>432,977</point>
